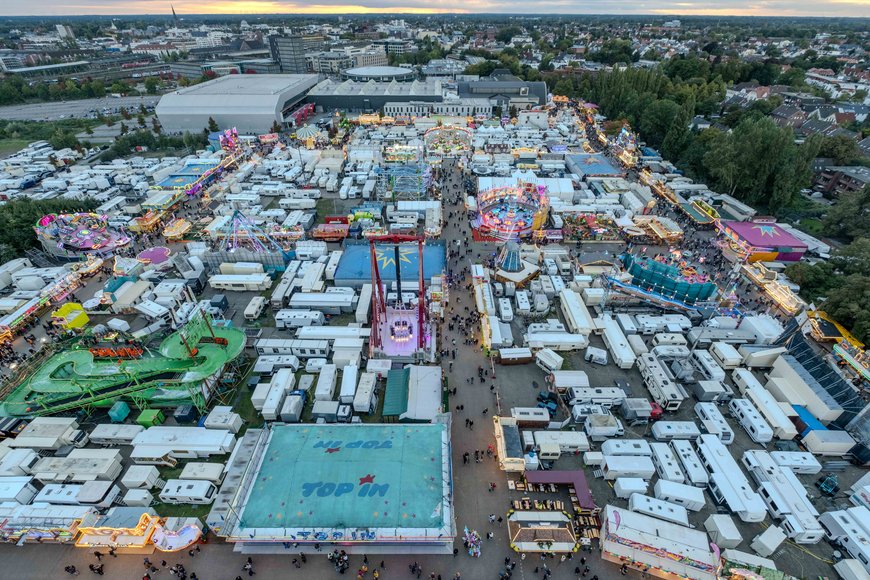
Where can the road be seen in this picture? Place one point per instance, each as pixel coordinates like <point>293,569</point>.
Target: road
<point>71,109</point>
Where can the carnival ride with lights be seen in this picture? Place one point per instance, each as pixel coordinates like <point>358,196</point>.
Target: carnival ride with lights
<point>185,369</point>
<point>403,182</point>
<point>402,153</point>
<point>624,147</point>
<point>449,141</point>
<point>399,328</point>
<point>73,235</point>
<point>510,213</point>
<point>240,233</point>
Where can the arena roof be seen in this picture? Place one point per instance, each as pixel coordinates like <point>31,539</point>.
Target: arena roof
<point>249,102</point>
<point>379,71</point>
<point>350,482</point>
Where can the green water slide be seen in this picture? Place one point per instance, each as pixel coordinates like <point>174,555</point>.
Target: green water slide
<point>174,375</point>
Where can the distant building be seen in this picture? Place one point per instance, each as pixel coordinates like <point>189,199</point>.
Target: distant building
<point>289,51</point>
<point>336,61</point>
<point>788,116</point>
<point>834,181</point>
<point>64,32</point>
<point>505,91</point>
<point>251,103</point>
<point>379,74</point>
<point>455,107</point>
<point>372,95</point>
<point>396,45</point>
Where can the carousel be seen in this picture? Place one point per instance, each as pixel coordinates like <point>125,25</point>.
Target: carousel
<point>512,212</point>
<point>447,141</point>
<point>77,234</point>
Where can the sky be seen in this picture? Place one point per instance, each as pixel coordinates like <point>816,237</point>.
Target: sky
<point>832,8</point>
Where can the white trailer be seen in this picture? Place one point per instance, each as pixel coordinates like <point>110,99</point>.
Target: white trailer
<point>325,389</point>
<point>332,333</point>
<point>828,442</point>
<point>798,461</point>
<point>751,420</point>
<point>349,377</point>
<point>111,434</point>
<point>728,485</point>
<point>669,339</point>
<point>704,362</point>
<point>624,487</point>
<point>785,496</point>
<point>634,447</point>
<point>743,378</point>
<point>670,430</point>
<point>616,343</point>
<point>657,508</point>
<point>626,323</point>
<point>182,491</point>
<point>666,463</point>
<point>515,356</point>
<point>557,341</point>
<point>660,383</point>
<point>524,304</point>
<point>363,306</point>
<point>291,319</point>
<point>333,303</point>
<point>564,380</point>
<point>301,348</point>
<point>782,426</point>
<point>638,346</point>
<point>714,422</point>
<point>577,317</point>
<point>691,463</point>
<point>273,402</point>
<point>505,311</point>
<point>725,355</point>
<point>531,417</point>
<point>548,361</point>
<point>568,441</point>
<point>255,308</point>
<point>332,264</point>
<point>688,496</point>
<point>364,400</point>
<point>240,282</point>
<point>607,396</point>
<point>616,466</point>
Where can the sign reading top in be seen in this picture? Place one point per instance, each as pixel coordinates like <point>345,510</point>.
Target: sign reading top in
<point>373,484</point>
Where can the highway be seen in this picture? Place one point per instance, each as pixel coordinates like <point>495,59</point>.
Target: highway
<point>71,109</point>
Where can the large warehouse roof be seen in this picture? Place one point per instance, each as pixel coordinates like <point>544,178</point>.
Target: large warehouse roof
<point>248,102</point>
<point>373,88</point>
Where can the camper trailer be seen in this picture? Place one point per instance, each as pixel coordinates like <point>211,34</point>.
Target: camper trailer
<point>659,509</point>
<point>666,463</point>
<point>713,422</point>
<point>184,491</point>
<point>325,389</point>
<point>616,466</point>
<point>728,485</point>
<point>694,471</point>
<point>751,420</point>
<point>660,383</point>
<point>670,430</point>
<point>347,392</point>
<point>365,399</point>
<point>688,496</point>
<point>255,308</point>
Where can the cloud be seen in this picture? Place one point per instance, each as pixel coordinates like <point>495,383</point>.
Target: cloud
<point>852,8</point>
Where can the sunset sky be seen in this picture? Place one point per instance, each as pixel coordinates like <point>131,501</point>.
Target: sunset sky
<point>720,7</point>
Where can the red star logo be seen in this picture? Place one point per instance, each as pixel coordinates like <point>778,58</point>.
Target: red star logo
<point>369,478</point>
<point>333,450</point>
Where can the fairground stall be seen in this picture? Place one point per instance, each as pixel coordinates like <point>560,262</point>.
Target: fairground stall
<point>75,235</point>
<point>511,213</point>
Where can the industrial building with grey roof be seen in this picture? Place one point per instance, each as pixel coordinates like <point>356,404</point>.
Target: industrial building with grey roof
<point>251,103</point>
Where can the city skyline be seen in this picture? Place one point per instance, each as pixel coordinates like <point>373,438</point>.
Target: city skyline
<point>829,8</point>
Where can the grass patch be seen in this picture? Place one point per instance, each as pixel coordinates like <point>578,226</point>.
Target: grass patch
<point>171,510</point>
<point>10,146</point>
<point>812,226</point>
<point>245,408</point>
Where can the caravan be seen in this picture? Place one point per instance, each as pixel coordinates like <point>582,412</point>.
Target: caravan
<point>713,422</point>
<point>670,430</point>
<point>704,362</point>
<point>751,420</point>
<point>666,463</point>
<point>255,308</point>
<point>728,485</point>
<point>192,491</point>
<point>616,343</point>
<point>782,426</point>
<point>688,496</point>
<point>691,463</point>
<point>325,389</point>
<point>660,383</point>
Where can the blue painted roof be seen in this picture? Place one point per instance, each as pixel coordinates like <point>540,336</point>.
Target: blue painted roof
<point>355,264</point>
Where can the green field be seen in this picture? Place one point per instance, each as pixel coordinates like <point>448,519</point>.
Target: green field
<point>10,146</point>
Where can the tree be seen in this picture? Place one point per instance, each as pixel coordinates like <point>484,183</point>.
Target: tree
<point>850,217</point>
<point>155,125</point>
<point>212,125</point>
<point>505,35</point>
<point>124,113</point>
<point>151,85</point>
<point>841,148</point>
<point>140,118</point>
<point>276,127</point>
<point>123,128</point>
<point>63,140</point>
